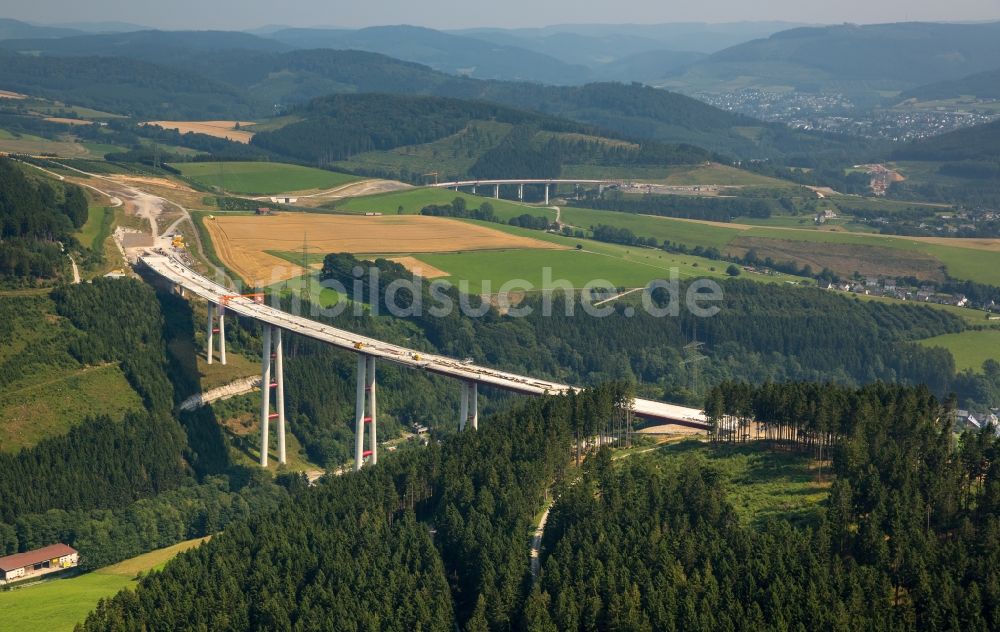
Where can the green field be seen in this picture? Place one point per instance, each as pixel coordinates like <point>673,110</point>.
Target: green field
<point>261,178</point>
<point>412,200</point>
<point>679,175</point>
<point>760,483</point>
<point>982,266</point>
<point>622,266</point>
<point>97,228</point>
<point>970,348</point>
<point>59,604</point>
<point>649,226</point>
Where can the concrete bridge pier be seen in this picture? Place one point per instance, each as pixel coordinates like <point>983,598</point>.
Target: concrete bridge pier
<point>272,351</point>
<point>520,193</point>
<point>496,191</point>
<point>365,413</point>
<point>469,411</point>
<point>546,195</point>
<point>222,335</point>
<point>473,189</point>
<point>212,329</point>
<point>209,342</point>
<point>279,393</point>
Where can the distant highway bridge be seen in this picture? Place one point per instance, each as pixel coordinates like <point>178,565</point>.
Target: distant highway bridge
<point>222,300</point>
<point>548,183</point>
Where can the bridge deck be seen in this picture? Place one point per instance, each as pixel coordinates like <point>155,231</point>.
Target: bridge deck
<point>485,182</point>
<point>191,281</point>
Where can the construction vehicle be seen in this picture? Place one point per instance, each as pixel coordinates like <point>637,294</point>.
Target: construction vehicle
<point>258,297</point>
<point>359,345</point>
<point>178,241</point>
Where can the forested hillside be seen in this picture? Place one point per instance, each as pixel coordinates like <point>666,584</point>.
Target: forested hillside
<point>436,538</point>
<point>35,214</point>
<point>856,57</point>
<point>217,82</point>
<point>427,539</point>
<point>982,85</point>
<point>496,141</point>
<point>970,158</point>
<point>117,487</point>
<point>907,541</point>
<point>127,86</point>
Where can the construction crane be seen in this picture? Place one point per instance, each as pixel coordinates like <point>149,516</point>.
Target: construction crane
<point>432,173</point>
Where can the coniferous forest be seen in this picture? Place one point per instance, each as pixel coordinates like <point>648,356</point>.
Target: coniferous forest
<point>436,538</point>
<point>35,215</point>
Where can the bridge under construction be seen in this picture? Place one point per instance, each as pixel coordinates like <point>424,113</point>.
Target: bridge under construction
<point>221,300</point>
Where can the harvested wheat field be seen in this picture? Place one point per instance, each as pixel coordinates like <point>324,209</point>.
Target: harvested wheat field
<point>419,268</point>
<point>219,129</point>
<point>243,241</point>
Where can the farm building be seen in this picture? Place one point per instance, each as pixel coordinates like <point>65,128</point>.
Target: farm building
<point>47,559</point>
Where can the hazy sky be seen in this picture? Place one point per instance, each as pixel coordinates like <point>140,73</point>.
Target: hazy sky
<point>242,14</point>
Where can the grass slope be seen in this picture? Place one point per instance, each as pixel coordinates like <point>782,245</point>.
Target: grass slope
<point>961,262</point>
<point>970,348</point>
<point>412,200</point>
<point>60,604</point>
<point>760,484</point>
<point>621,266</point>
<point>262,178</point>
<point>44,390</point>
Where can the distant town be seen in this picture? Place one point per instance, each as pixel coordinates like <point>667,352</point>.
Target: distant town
<point>839,113</point>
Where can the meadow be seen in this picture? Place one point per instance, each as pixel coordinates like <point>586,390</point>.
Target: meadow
<point>97,228</point>
<point>413,200</point>
<point>760,484</point>
<point>678,175</point>
<point>261,178</point>
<point>46,389</point>
<point>59,604</point>
<point>970,348</point>
<point>622,266</point>
<point>961,260</point>
<point>51,402</point>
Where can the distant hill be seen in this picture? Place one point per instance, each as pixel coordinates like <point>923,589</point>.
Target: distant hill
<point>977,143</point>
<point>982,85</point>
<point>213,83</point>
<point>600,43</point>
<point>124,86</point>
<point>851,57</point>
<point>154,46</point>
<point>647,65</point>
<point>10,29</point>
<point>456,137</point>
<point>445,52</point>
<point>631,110</point>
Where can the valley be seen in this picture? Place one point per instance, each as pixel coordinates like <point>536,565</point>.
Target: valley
<point>588,326</point>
